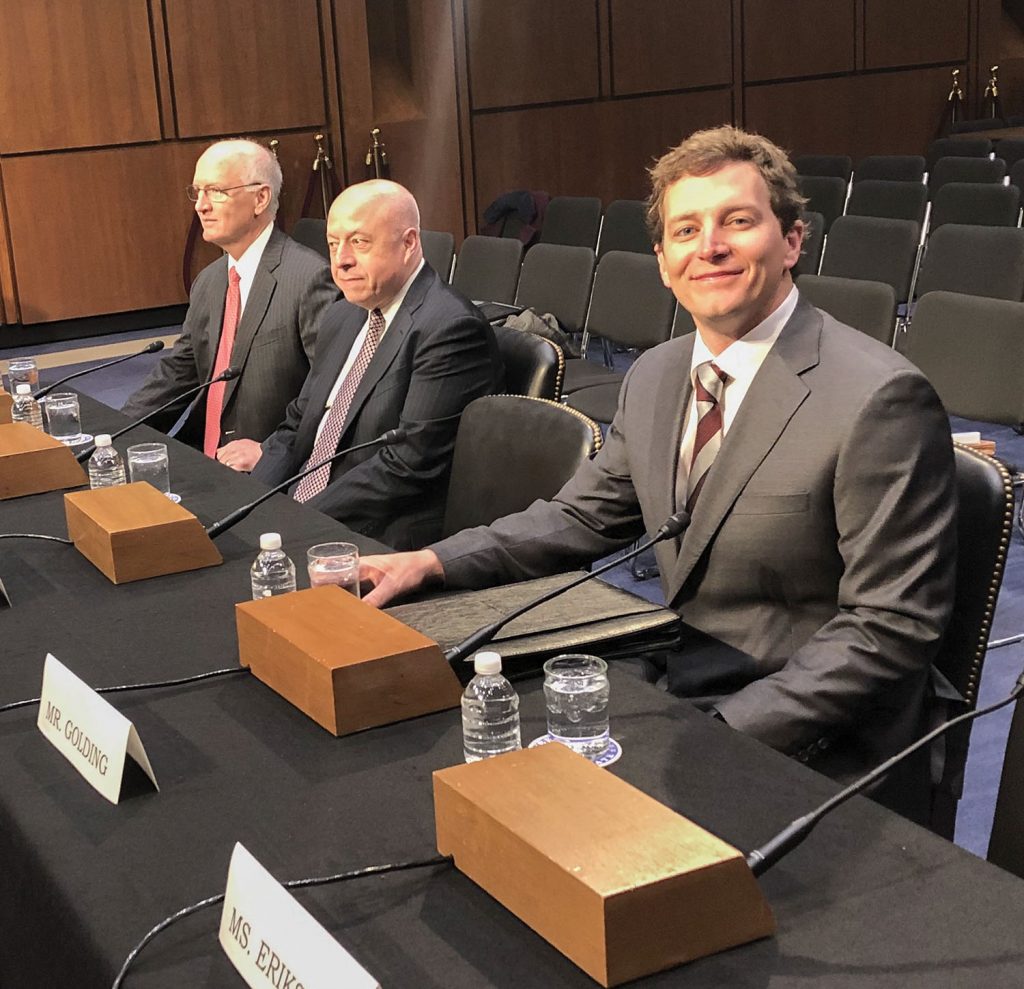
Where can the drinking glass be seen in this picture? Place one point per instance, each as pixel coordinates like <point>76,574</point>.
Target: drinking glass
<point>576,696</point>
<point>148,462</point>
<point>334,563</point>
<point>22,370</point>
<point>64,418</point>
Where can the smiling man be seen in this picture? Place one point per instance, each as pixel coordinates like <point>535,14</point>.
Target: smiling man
<point>402,350</point>
<point>816,577</point>
<point>257,308</point>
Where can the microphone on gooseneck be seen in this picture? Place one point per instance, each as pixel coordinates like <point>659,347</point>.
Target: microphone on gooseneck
<point>674,525</point>
<point>152,348</point>
<point>228,374</point>
<point>778,847</point>
<point>385,439</point>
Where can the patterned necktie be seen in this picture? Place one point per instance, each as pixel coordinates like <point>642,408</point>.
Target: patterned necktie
<point>215,393</point>
<point>708,390</point>
<point>327,441</point>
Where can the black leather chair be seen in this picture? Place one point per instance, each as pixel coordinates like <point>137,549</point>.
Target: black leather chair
<point>556,279</point>
<point>1006,844</point>
<point>572,220</point>
<point>974,260</point>
<point>891,168</point>
<point>984,525</point>
<point>312,233</point>
<point>439,251</point>
<point>511,450</point>
<point>825,194</point>
<point>837,166</point>
<point>868,306</point>
<point>978,203</point>
<point>487,268</point>
<point>957,147</point>
<point>534,366</point>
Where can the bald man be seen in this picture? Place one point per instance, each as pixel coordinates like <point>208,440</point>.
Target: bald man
<point>403,350</point>
<point>257,308</point>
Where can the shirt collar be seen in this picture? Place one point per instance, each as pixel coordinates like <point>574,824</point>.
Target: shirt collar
<point>247,264</point>
<point>743,357</point>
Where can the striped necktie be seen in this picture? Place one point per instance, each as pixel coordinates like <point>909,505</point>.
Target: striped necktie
<point>327,442</point>
<point>708,390</point>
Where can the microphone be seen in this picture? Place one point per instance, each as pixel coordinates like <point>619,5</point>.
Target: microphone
<point>674,525</point>
<point>762,859</point>
<point>152,348</point>
<point>385,439</point>
<point>228,374</point>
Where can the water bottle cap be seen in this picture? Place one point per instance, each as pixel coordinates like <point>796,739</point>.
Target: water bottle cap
<point>270,540</point>
<point>23,389</point>
<point>102,439</point>
<point>487,662</point>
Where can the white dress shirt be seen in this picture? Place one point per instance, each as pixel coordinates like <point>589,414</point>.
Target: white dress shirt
<point>247,264</point>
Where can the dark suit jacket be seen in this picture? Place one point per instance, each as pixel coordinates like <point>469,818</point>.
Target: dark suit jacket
<point>437,355</point>
<point>273,345</point>
<point>817,574</point>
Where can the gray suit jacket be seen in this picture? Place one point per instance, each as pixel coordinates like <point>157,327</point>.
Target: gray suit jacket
<point>437,355</point>
<point>817,573</point>
<point>273,345</point>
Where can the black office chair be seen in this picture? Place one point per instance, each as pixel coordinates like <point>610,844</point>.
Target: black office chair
<point>572,220</point>
<point>981,204</point>
<point>957,147</point>
<point>814,243</point>
<point>534,365</point>
<point>487,268</point>
<point>984,522</point>
<point>825,195</point>
<point>867,306</point>
<point>971,349</point>
<point>891,168</point>
<point>957,169</point>
<point>1006,843</point>
<point>1011,150</point>
<point>312,233</point>
<point>895,200</point>
<point>630,307</point>
<point>556,279</point>
<point>439,251</point>
<point>973,260</point>
<point>874,249</point>
<point>536,443</point>
<point>625,228</point>
<point>837,166</point>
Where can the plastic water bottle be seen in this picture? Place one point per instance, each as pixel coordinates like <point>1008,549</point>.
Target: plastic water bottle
<point>490,711</point>
<point>25,407</point>
<point>272,573</point>
<point>106,467</point>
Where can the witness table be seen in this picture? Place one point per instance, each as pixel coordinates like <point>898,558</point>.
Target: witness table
<point>868,900</point>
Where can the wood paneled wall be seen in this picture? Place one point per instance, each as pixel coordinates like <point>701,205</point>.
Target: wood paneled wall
<point>105,104</point>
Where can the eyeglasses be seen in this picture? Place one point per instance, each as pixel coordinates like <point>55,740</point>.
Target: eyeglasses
<point>214,194</point>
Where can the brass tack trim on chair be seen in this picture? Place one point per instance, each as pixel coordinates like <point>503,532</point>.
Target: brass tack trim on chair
<point>595,429</point>
<point>985,628</point>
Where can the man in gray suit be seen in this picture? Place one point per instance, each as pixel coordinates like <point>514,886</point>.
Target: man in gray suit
<point>257,308</point>
<point>816,576</point>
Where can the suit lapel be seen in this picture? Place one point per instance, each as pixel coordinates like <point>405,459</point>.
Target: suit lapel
<point>205,344</point>
<point>775,394</point>
<point>260,293</point>
<point>391,344</point>
<point>336,347</point>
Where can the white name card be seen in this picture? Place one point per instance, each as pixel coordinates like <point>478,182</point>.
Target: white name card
<point>91,734</point>
<point>273,942</point>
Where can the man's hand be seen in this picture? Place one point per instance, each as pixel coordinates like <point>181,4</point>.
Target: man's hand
<point>240,454</point>
<point>398,573</point>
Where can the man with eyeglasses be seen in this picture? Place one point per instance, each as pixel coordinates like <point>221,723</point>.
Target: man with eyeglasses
<point>257,308</point>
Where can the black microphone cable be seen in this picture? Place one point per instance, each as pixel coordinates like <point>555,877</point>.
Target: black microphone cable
<point>123,687</point>
<point>370,870</point>
<point>36,535</point>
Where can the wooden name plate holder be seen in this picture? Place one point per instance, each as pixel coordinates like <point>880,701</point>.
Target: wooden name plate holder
<point>5,407</point>
<point>617,882</point>
<point>132,531</point>
<point>32,462</point>
<point>345,664</point>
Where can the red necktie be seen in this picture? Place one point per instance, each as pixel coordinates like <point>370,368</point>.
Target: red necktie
<point>708,390</point>
<point>215,394</point>
<point>327,441</point>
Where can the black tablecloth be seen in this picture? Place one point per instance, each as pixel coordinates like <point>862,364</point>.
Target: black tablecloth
<point>868,900</point>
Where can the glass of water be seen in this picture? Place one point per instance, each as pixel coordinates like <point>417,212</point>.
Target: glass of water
<point>64,418</point>
<point>576,695</point>
<point>22,370</point>
<point>148,462</point>
<point>334,563</point>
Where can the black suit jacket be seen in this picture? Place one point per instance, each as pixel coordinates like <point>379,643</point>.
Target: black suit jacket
<point>273,347</point>
<point>437,355</point>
